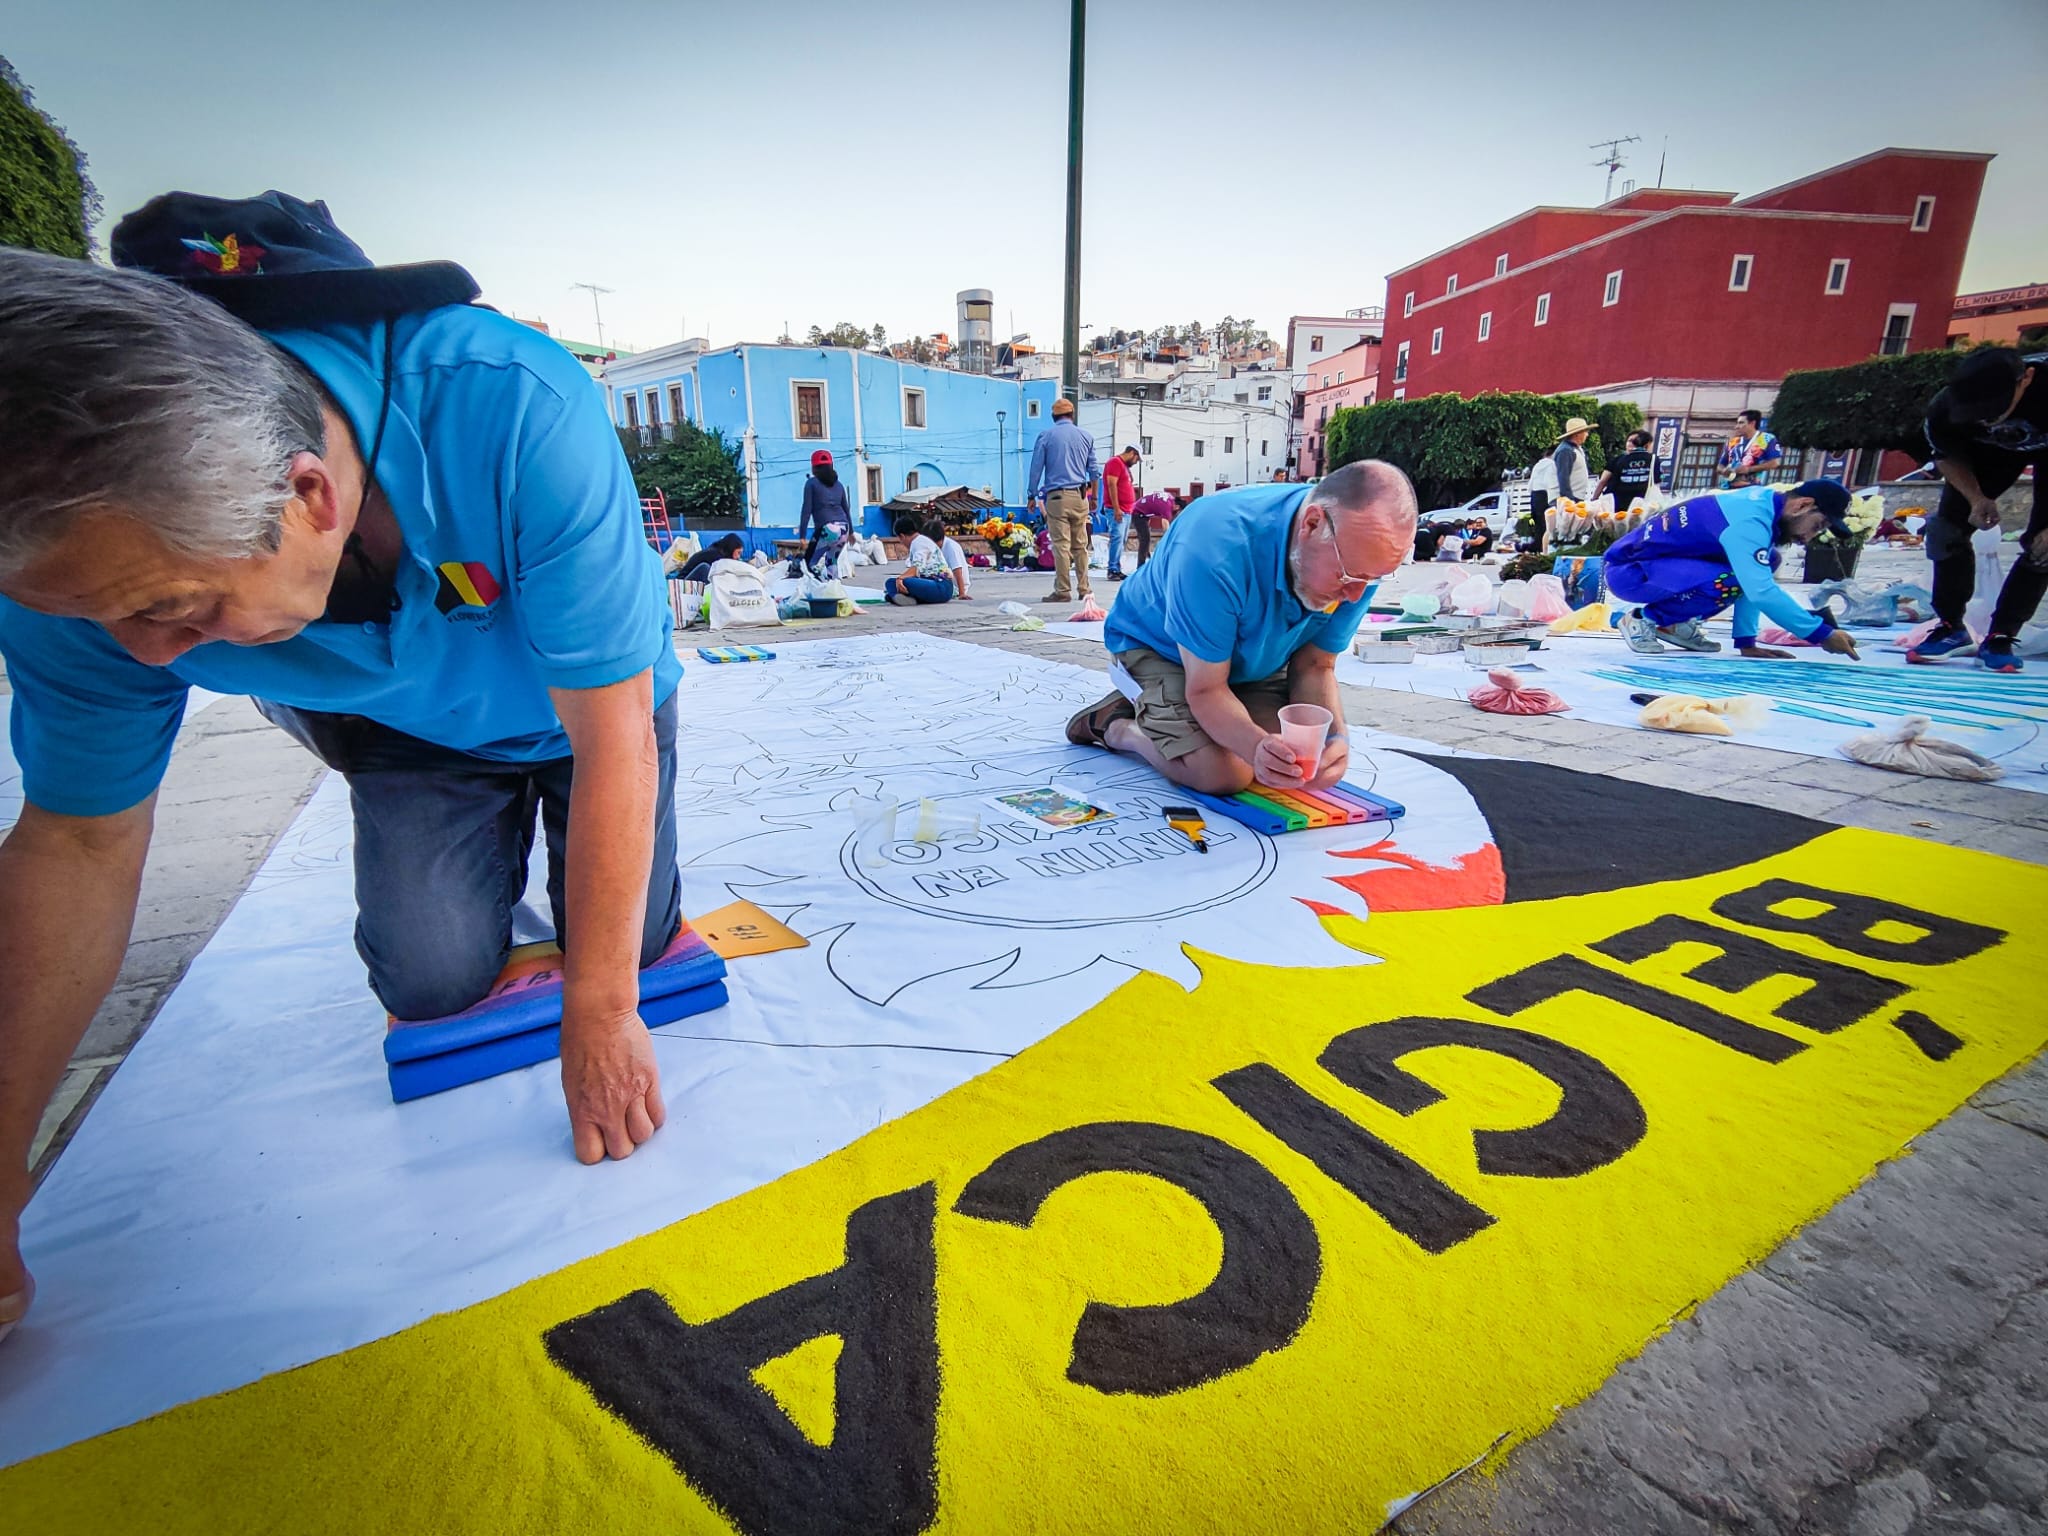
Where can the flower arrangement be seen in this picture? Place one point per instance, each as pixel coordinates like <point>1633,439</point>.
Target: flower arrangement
<point>1006,537</point>
<point>1866,511</point>
<point>1588,528</point>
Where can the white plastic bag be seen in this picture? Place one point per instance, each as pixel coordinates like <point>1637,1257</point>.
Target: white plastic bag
<point>1546,598</point>
<point>1473,596</point>
<point>1512,602</point>
<point>739,597</point>
<point>1905,747</point>
<point>1990,576</point>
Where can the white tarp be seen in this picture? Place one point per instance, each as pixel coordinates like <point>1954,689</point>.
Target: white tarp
<point>245,1197</point>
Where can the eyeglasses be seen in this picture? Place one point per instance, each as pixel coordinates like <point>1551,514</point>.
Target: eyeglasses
<point>1337,554</point>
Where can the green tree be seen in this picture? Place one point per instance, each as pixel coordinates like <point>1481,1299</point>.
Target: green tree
<point>47,201</point>
<point>1454,448</point>
<point>697,470</point>
<point>847,334</point>
<point>1879,403</point>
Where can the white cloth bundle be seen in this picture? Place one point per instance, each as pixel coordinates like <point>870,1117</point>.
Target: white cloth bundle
<point>1907,748</point>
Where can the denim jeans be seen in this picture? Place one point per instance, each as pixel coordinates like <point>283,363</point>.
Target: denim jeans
<point>926,589</point>
<point>1119,525</point>
<point>442,841</point>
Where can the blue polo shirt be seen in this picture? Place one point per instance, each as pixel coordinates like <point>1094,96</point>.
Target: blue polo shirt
<point>1218,586</point>
<point>526,569</point>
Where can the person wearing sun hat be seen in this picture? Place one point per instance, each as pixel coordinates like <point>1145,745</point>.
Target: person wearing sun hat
<point>1688,562</point>
<point>1574,480</point>
<point>248,458</point>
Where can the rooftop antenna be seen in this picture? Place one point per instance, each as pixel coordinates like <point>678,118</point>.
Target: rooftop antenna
<point>1613,160</point>
<point>594,291</point>
<point>1660,159</point>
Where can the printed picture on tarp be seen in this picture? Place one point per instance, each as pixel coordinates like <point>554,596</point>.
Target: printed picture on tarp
<point>1053,808</point>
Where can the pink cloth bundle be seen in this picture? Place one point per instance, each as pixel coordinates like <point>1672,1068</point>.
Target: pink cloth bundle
<point>1507,694</point>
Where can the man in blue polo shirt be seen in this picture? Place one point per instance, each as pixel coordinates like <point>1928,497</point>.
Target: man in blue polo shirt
<point>403,524</point>
<point>1692,560</point>
<point>1245,607</point>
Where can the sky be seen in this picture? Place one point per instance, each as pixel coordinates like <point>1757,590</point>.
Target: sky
<point>726,169</point>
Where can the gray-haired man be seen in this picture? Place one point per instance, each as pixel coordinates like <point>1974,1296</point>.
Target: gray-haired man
<point>404,523</point>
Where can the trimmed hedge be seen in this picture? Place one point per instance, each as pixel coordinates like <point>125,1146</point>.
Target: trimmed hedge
<point>47,202</point>
<point>1454,448</point>
<point>1880,403</point>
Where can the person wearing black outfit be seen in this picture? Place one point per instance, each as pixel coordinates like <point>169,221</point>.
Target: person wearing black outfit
<point>699,568</point>
<point>1984,429</point>
<point>1627,473</point>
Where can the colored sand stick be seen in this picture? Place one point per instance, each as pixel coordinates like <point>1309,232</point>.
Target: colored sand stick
<point>1276,811</point>
<point>519,1021</point>
<point>724,653</point>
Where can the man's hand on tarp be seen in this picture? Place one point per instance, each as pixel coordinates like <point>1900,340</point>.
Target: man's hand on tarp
<point>612,1085</point>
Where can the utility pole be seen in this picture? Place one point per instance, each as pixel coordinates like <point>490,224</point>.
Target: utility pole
<point>1612,160</point>
<point>594,291</point>
<point>1070,360</point>
<point>1002,464</point>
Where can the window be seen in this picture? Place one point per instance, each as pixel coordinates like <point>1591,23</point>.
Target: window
<point>1199,446</point>
<point>1340,375</point>
<point>1451,285</point>
<point>1436,341</point>
<point>1486,325</point>
<point>913,408</point>
<point>1738,274</point>
<point>1031,409</point>
<point>1838,274</point>
<point>873,475</point>
<point>1898,330</point>
<point>632,405</point>
<point>1263,449</point>
<point>1145,446</point>
<point>1543,309</point>
<point>1613,294</point>
<point>1408,305</point>
<point>807,407</point>
<point>1265,391</point>
<point>910,481</point>
<point>1230,445</point>
<point>1500,265</point>
<point>1923,215</point>
<point>1322,417</point>
<point>675,402</point>
<point>1401,362</point>
<point>1400,393</point>
<point>653,409</point>
<point>1315,343</point>
<point>1696,469</point>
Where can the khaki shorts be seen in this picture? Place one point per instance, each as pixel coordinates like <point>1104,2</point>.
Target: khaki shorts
<point>1162,700</point>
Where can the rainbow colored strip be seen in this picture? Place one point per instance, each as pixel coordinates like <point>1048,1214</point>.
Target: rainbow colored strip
<point>720,653</point>
<point>1274,811</point>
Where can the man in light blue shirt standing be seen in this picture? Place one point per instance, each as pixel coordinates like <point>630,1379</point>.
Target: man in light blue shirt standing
<point>400,521</point>
<point>1063,473</point>
<point>1246,606</point>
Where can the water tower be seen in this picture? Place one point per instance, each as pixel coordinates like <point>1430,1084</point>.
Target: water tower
<point>976,335</point>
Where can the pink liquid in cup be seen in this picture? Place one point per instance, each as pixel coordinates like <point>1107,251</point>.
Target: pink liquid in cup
<point>1305,727</point>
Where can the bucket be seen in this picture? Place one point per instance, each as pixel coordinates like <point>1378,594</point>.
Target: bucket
<point>824,607</point>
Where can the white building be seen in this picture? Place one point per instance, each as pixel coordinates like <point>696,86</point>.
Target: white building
<point>1188,448</point>
<point>1311,338</point>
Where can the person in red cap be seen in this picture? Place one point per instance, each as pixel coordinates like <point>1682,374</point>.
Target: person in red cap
<point>825,503</point>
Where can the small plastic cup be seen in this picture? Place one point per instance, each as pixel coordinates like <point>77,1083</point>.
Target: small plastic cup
<point>1305,727</point>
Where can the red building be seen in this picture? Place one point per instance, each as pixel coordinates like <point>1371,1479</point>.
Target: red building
<point>1695,305</point>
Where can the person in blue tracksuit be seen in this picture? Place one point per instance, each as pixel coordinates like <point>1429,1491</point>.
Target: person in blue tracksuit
<point>1691,560</point>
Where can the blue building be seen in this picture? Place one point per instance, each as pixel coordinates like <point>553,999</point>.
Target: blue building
<point>890,426</point>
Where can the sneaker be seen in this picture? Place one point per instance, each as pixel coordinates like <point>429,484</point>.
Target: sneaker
<point>902,600</point>
<point>1088,727</point>
<point>1116,575</point>
<point>1640,633</point>
<point>1056,597</point>
<point>1996,654</point>
<point>1943,640</point>
<point>1689,636</point>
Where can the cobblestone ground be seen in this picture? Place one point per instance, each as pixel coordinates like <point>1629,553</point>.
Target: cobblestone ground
<point>1885,1373</point>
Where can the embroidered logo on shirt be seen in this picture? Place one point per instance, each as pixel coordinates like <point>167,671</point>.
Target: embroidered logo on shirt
<point>226,257</point>
<point>1763,557</point>
<point>467,592</point>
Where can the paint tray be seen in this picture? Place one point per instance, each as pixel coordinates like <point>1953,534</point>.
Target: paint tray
<point>1274,811</point>
<point>519,1021</point>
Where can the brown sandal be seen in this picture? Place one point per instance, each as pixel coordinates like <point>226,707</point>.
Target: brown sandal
<point>1086,729</point>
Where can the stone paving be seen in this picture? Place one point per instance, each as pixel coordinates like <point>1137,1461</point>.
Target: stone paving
<point>1884,1373</point>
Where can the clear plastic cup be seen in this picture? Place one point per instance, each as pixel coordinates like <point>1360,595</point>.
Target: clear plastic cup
<point>1305,727</point>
